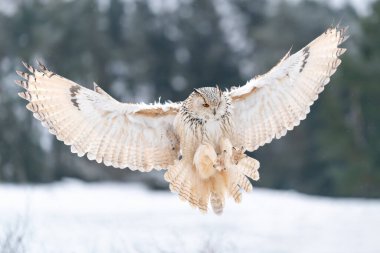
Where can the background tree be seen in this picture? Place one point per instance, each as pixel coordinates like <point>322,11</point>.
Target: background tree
<point>143,50</point>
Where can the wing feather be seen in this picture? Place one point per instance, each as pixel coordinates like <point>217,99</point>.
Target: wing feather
<point>138,136</point>
<point>270,105</point>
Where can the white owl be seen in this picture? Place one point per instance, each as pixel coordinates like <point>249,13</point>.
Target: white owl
<point>200,141</point>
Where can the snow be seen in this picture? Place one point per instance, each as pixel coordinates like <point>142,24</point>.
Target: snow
<point>71,216</point>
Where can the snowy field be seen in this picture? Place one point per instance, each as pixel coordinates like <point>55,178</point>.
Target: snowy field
<point>78,217</point>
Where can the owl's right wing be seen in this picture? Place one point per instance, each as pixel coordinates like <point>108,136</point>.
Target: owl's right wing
<point>268,106</point>
<point>137,136</point>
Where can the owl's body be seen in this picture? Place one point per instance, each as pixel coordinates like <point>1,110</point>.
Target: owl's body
<point>203,126</point>
<point>200,141</point>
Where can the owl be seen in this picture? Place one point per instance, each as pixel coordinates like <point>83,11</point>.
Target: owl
<point>200,142</point>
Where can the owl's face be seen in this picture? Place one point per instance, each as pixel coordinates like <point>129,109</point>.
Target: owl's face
<point>208,103</point>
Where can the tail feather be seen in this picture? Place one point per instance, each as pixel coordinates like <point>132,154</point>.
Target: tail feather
<point>217,202</point>
<point>183,181</point>
<point>218,189</point>
<point>199,192</point>
<point>235,179</point>
<point>238,177</point>
<point>234,191</point>
<point>204,197</point>
<point>249,167</point>
<point>186,192</point>
<point>244,182</point>
<point>233,188</point>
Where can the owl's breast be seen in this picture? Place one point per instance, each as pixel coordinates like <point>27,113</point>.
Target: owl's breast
<point>212,133</point>
<point>193,132</point>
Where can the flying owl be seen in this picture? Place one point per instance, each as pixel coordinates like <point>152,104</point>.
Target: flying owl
<point>202,141</point>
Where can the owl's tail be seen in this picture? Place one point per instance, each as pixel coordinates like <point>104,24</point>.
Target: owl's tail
<point>187,183</point>
<point>199,191</point>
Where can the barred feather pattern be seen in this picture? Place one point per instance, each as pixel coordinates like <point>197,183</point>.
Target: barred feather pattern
<point>239,173</point>
<point>184,180</point>
<point>137,136</point>
<point>157,136</point>
<point>270,105</point>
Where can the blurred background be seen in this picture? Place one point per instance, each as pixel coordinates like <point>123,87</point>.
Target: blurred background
<point>140,50</point>
<point>145,50</point>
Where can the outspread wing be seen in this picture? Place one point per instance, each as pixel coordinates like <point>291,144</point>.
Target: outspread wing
<point>137,136</point>
<point>270,105</point>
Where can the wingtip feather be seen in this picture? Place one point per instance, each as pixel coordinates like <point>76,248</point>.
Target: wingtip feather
<point>22,83</point>
<point>28,67</point>
<point>22,74</point>
<point>24,95</point>
<point>42,67</point>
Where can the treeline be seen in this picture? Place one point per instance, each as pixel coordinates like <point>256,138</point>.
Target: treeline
<point>139,50</point>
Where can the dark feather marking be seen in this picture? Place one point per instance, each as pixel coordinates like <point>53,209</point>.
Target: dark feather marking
<point>306,53</point>
<point>73,92</point>
<point>45,70</point>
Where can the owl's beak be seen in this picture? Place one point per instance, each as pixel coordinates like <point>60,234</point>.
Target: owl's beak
<point>214,111</point>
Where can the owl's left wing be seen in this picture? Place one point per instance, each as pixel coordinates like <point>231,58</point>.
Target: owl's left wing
<point>268,106</point>
<point>138,136</point>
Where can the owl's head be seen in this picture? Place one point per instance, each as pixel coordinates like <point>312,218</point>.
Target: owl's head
<point>208,103</point>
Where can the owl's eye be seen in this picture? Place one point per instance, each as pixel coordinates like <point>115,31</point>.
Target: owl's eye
<point>206,105</point>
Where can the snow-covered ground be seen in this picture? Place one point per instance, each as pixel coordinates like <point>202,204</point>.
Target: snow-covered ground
<point>76,217</point>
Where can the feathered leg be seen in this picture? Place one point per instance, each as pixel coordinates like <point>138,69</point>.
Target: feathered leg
<point>205,159</point>
<point>211,176</point>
